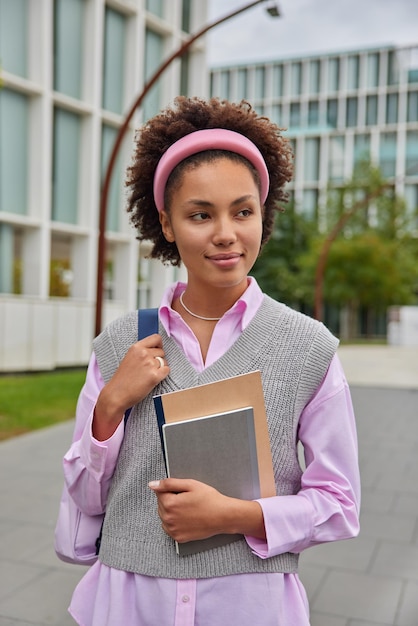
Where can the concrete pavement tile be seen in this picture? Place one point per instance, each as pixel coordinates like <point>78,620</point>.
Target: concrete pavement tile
<point>24,542</point>
<point>319,619</point>
<point>46,599</point>
<point>311,577</point>
<point>406,503</point>
<point>4,621</point>
<point>14,576</point>
<point>405,483</point>
<point>353,554</point>
<point>361,623</point>
<point>373,501</point>
<point>359,596</point>
<point>396,559</point>
<point>408,613</point>
<point>387,526</point>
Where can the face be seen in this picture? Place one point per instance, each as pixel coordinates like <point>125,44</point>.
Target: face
<point>215,220</point>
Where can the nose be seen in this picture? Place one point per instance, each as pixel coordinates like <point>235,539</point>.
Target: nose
<point>224,233</point>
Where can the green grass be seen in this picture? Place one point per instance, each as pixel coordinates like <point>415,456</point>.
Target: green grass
<point>32,401</point>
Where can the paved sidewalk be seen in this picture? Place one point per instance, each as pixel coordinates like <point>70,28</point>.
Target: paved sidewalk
<point>368,581</point>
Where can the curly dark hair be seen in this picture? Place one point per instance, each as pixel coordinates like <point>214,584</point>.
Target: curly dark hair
<point>186,116</point>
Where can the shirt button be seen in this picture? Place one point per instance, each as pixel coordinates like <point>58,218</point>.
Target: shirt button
<point>185,598</point>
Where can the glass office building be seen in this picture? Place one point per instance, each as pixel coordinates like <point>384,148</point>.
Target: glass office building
<point>70,71</point>
<point>338,109</point>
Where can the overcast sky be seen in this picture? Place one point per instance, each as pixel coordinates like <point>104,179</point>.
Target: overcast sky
<point>309,26</point>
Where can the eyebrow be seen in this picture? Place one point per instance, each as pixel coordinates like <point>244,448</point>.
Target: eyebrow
<point>206,203</point>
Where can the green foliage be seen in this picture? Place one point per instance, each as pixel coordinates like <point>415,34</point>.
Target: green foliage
<point>365,271</point>
<point>277,269</point>
<point>372,262</point>
<point>32,401</point>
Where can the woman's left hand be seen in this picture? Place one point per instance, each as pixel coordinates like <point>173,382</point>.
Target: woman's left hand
<point>190,510</point>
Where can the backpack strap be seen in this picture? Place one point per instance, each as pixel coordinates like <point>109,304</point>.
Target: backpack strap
<point>147,325</point>
<point>147,322</point>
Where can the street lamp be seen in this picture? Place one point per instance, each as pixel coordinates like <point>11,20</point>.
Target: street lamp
<point>274,12</point>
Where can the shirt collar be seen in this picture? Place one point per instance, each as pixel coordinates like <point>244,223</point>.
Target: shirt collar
<point>244,308</point>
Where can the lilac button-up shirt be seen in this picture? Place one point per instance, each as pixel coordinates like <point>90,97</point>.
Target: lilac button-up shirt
<point>325,509</point>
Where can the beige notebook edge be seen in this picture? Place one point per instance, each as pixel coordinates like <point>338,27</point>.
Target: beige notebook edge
<point>225,395</point>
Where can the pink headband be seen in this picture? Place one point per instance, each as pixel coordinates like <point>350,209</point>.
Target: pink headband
<point>208,139</point>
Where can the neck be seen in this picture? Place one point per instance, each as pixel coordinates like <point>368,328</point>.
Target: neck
<point>199,317</point>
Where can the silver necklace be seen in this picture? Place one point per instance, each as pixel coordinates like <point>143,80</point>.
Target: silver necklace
<point>199,317</point>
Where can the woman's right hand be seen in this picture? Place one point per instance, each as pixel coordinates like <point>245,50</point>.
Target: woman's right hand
<point>138,373</point>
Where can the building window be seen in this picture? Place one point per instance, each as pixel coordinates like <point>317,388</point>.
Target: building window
<point>314,76</point>
<point>296,79</point>
<point>68,46</point>
<point>186,16</point>
<point>411,199</point>
<point>10,263</point>
<point>66,160</point>
<point>373,64</point>
<point>115,192</point>
<point>14,150</point>
<point>225,84</point>
<point>393,68</point>
<point>14,36</point>
<point>351,112</point>
<point>371,110</point>
<point>294,121</point>
<point>412,113</point>
<point>413,65</point>
<point>278,80</point>
<point>114,61</point>
<point>387,154</point>
<point>153,57</point>
<point>361,148</point>
<point>276,114</point>
<point>156,7</point>
<point>332,113</point>
<point>353,72</point>
<point>411,156</point>
<point>313,113</point>
<point>61,273</point>
<point>310,204</point>
<point>242,84</point>
<point>260,82</point>
<point>392,108</point>
<point>333,74</point>
<point>311,160</point>
<point>336,158</point>
<point>184,74</point>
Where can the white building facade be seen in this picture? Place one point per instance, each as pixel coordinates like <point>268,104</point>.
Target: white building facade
<point>338,109</point>
<point>70,71</point>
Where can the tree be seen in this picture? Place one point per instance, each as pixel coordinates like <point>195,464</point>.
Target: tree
<point>366,271</point>
<point>366,260</point>
<point>277,269</point>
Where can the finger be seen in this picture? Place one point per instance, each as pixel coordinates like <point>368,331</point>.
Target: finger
<point>172,485</point>
<point>152,341</point>
<point>160,361</point>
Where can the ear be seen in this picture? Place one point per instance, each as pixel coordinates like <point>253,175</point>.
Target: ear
<point>166,227</point>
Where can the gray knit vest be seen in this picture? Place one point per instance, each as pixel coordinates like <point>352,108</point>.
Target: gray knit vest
<point>293,353</point>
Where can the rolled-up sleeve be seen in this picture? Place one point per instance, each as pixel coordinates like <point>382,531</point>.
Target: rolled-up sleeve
<point>327,506</point>
<point>89,464</point>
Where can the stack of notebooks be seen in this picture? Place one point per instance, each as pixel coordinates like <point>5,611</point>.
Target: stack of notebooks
<point>217,434</point>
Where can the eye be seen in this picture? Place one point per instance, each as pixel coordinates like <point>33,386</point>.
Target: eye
<point>245,213</point>
<point>200,217</point>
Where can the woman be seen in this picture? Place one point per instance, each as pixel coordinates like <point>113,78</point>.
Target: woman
<point>204,186</point>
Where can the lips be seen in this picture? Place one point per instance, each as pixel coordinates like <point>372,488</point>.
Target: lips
<point>225,256</point>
